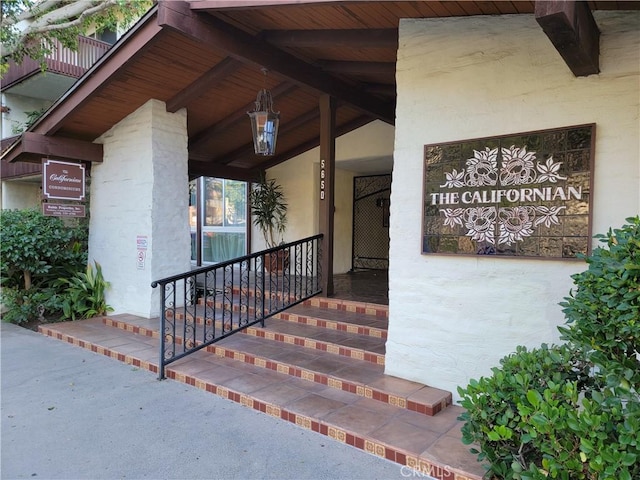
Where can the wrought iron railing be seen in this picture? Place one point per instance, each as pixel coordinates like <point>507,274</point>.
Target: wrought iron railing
<point>203,306</point>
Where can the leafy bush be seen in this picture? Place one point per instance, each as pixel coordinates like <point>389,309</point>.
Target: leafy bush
<point>571,411</point>
<point>36,250</point>
<point>84,295</point>
<point>604,313</point>
<point>23,306</point>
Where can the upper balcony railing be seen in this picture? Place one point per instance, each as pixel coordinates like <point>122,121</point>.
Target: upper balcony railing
<point>61,60</point>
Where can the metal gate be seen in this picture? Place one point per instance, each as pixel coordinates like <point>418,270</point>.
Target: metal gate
<point>371,200</point>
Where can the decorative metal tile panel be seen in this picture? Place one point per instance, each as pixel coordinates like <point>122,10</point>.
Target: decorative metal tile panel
<point>520,195</point>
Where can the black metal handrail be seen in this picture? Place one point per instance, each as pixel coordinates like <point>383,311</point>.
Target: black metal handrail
<point>205,305</point>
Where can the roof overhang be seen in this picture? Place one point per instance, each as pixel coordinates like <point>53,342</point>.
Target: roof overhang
<point>208,57</point>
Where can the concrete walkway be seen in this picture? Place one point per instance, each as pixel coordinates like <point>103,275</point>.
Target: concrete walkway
<point>68,413</point>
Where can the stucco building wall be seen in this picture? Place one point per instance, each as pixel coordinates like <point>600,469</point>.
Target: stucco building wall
<point>17,194</point>
<point>14,121</point>
<point>453,318</point>
<point>140,191</point>
<point>364,151</point>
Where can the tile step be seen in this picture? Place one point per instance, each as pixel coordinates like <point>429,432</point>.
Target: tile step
<point>324,303</point>
<point>426,445</point>
<point>367,379</point>
<point>340,338</point>
<point>350,322</point>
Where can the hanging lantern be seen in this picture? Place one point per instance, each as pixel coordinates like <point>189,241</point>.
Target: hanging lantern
<point>264,124</point>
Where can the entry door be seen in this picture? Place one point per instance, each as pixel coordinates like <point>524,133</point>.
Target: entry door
<point>371,200</point>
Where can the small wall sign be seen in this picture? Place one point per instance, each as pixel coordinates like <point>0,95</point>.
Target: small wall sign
<point>63,210</point>
<point>520,195</point>
<point>63,180</point>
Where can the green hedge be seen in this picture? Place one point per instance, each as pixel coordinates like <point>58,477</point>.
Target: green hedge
<point>570,411</point>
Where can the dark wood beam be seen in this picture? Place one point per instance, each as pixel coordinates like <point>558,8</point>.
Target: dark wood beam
<point>367,68</point>
<point>247,49</point>
<point>314,142</point>
<point>59,147</point>
<point>206,81</point>
<point>573,31</point>
<point>380,89</point>
<point>210,169</point>
<point>247,149</point>
<point>327,182</point>
<point>356,38</point>
<point>230,120</point>
<point>248,4</point>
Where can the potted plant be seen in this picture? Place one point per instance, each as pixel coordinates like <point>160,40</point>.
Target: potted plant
<point>269,211</point>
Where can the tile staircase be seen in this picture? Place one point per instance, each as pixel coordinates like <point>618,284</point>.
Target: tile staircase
<point>319,365</point>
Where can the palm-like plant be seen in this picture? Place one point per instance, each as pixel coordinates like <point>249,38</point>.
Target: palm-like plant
<point>269,210</point>
<point>85,294</point>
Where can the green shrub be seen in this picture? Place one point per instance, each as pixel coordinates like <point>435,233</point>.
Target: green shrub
<point>500,417</point>
<point>23,306</point>
<point>36,250</point>
<point>603,314</point>
<point>572,411</point>
<point>84,294</point>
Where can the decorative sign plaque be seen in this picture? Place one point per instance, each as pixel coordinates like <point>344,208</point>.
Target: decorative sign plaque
<point>522,195</point>
<point>63,180</point>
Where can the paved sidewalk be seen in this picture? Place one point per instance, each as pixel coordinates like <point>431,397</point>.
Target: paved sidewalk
<point>68,413</point>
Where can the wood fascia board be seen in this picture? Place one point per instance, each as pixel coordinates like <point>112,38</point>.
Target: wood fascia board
<point>369,68</point>
<point>246,4</point>
<point>67,148</point>
<point>209,79</point>
<point>246,48</point>
<point>353,38</point>
<point>99,74</point>
<point>211,169</point>
<point>381,89</point>
<point>573,32</point>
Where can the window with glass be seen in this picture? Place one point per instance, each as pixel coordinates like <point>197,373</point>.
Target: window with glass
<point>218,216</point>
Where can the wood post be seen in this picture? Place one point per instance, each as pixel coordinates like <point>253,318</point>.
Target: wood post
<point>327,187</point>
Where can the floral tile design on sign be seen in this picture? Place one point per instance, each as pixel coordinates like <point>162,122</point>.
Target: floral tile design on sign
<point>521,195</point>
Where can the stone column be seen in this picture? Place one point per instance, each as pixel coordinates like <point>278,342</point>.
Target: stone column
<point>139,227</point>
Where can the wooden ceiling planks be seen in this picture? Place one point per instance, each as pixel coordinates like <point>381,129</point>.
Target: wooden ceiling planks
<point>171,61</point>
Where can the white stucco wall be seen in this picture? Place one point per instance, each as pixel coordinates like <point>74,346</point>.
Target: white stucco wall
<point>18,106</point>
<point>141,190</point>
<point>453,318</point>
<point>17,194</point>
<point>299,177</point>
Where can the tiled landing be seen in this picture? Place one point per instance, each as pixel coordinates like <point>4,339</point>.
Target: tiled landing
<point>329,390</point>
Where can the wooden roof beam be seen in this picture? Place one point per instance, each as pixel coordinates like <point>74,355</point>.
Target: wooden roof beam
<point>248,49</point>
<point>381,89</point>
<point>34,146</point>
<point>248,150</point>
<point>365,68</point>
<point>211,169</point>
<point>241,114</point>
<point>573,31</point>
<point>355,38</point>
<point>249,4</point>
<point>203,83</point>
<point>314,142</point>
